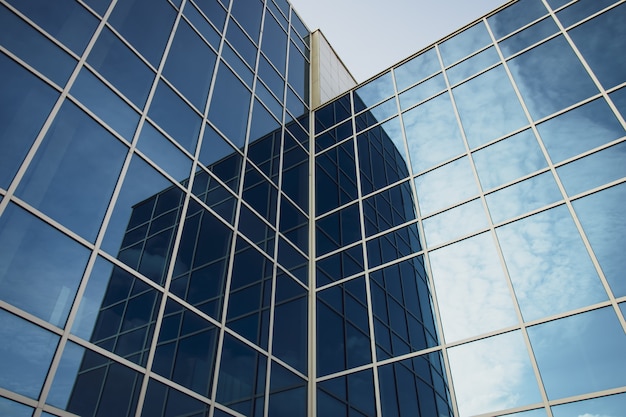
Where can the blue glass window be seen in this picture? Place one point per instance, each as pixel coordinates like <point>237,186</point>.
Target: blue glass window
<point>418,68</point>
<point>473,65</point>
<point>515,16</point>
<point>25,103</point>
<point>550,77</point>
<point>15,409</point>
<point>274,44</point>
<point>348,395</point>
<point>601,217</point>
<point>488,107</point>
<point>338,229</point>
<point>107,105</point>
<point>121,67</point>
<point>149,36</point>
<point>290,323</point>
<point>25,355</point>
<point>607,61</point>
<point>249,13</point>
<point>581,9</point>
<point>463,44</point>
<point>298,73</point>
<point>213,10</point>
<point>229,106</point>
<point>160,150</point>
<point>164,401</point>
<point>71,179</point>
<point>34,48</point>
<point>189,66</point>
<point>528,37</point>
<point>432,133</point>
<point>335,174</point>
<point>66,20</point>
<point>609,405</point>
<point>340,265</point>
<point>373,92</point>
<point>581,353</point>
<point>176,117</point>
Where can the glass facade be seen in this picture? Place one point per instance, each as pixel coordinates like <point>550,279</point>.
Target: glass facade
<point>182,235</point>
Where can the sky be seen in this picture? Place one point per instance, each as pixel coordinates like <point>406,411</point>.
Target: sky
<point>371,35</point>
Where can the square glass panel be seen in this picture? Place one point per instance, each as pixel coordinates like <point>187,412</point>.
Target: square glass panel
<point>454,223</point>
<point>25,355</point>
<point>72,179</point>
<point>507,379</point>
<point>445,186</point>
<point>581,353</point>
<point>550,77</point>
<point>528,36</point>
<point>508,160</point>
<point>25,102</point>
<point>373,92</point>
<point>548,264</point>
<point>417,69</point>
<point>472,65</point>
<point>515,16</point>
<point>488,107</point>
<point>422,91</point>
<point>472,291</point>
<point>580,130</point>
<point>601,217</point>
<point>464,43</point>
<point>432,133</point>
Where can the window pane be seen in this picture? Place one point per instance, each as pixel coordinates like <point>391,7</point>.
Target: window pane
<point>515,16</point>
<point>417,69</point>
<point>454,223</point>
<point>463,44</point>
<point>373,92</point>
<point>607,30</point>
<point>581,353</point>
<point>488,107</point>
<point>432,133</point>
<point>508,160</point>
<point>528,37</point>
<point>14,409</point>
<point>548,264</point>
<point>546,76</point>
<point>190,64</point>
<point>46,287</point>
<point>163,152</point>
<point>71,179</point>
<point>601,215</point>
<point>34,48</point>
<point>107,105</point>
<point>66,20</point>
<point>121,67</point>
<point>176,117</point>
<point>606,406</point>
<point>472,290</point>
<point>149,36</point>
<point>473,65</point>
<point>445,186</point>
<point>229,106</point>
<point>580,130</point>
<point>506,376</point>
<point>25,103</point>
<point>525,196</point>
<point>25,355</point>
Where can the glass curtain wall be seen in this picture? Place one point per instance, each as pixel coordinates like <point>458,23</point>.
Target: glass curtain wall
<point>154,223</point>
<point>489,168</point>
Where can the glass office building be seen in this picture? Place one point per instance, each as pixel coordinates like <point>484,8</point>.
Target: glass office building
<point>184,231</point>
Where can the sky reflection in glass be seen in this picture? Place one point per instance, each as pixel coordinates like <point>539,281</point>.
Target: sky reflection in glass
<point>581,353</point>
<point>502,365</point>
<point>472,291</point>
<point>548,264</point>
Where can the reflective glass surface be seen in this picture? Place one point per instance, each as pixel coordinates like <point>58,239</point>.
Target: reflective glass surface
<point>525,196</point>
<point>611,405</point>
<point>160,150</point>
<point>230,114</point>
<point>472,290</point>
<point>473,65</point>
<point>88,384</point>
<point>66,20</point>
<point>25,102</point>
<point>459,221</point>
<point>189,66</point>
<point>34,48</point>
<point>488,107</point>
<point>422,91</point>
<point>11,408</point>
<point>508,160</point>
<point>71,179</point>
<point>107,105</point>
<point>165,401</point>
<point>581,353</point>
<point>600,215</point>
<point>445,186</point>
<point>25,358</point>
<point>148,36</point>
<point>594,170</point>
<point>550,77</point>
<point>432,133</point>
<point>373,92</point>
<point>548,264</point>
<point>607,62</point>
<point>515,16</point>
<point>416,69</point>
<point>463,44</point>
<point>528,37</point>
<point>580,130</point>
<point>352,394</point>
<point>506,376</point>
<point>121,67</point>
